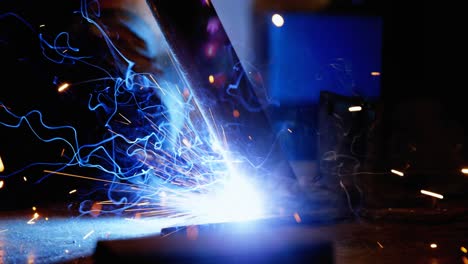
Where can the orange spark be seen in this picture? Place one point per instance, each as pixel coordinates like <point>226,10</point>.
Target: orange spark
<point>464,250</point>
<point>63,87</point>
<point>297,217</point>
<point>2,183</point>
<point>2,167</point>
<point>236,113</point>
<point>374,73</point>
<point>211,79</point>
<point>380,245</point>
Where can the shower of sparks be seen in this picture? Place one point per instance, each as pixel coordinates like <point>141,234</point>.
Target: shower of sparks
<point>2,167</point>
<point>433,245</point>
<point>63,87</point>
<point>464,170</point>
<point>433,194</point>
<point>399,173</point>
<point>380,245</point>
<point>354,109</point>
<point>198,174</point>
<point>88,234</point>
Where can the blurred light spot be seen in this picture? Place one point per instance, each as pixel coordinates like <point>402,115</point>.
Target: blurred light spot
<point>72,191</point>
<point>289,130</point>
<point>186,93</point>
<point>34,208</point>
<point>464,250</point>
<point>355,109</point>
<point>433,245</point>
<point>66,251</point>
<point>380,245</point>
<point>375,73</point>
<point>96,209</point>
<point>297,217</point>
<point>192,232</point>
<point>465,260</point>
<point>186,143</point>
<point>25,179</point>
<point>433,194</point>
<point>211,79</point>
<point>250,137</point>
<point>47,218</point>
<point>399,173</point>
<point>63,87</point>
<point>2,167</point>
<point>213,25</point>
<point>236,113</point>
<point>1,184</point>
<point>277,20</point>
<point>42,25</point>
<point>464,170</point>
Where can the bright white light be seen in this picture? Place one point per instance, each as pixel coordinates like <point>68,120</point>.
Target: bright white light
<point>433,194</point>
<point>464,170</point>
<point>237,201</point>
<point>277,20</point>
<point>355,109</point>
<point>399,173</point>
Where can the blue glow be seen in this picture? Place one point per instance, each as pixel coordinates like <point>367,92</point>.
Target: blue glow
<point>313,53</point>
<point>166,158</point>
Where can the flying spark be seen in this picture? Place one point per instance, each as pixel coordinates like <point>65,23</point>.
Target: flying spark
<point>355,109</point>
<point>63,87</point>
<point>433,194</point>
<point>88,234</point>
<point>433,245</point>
<point>399,173</point>
<point>2,167</point>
